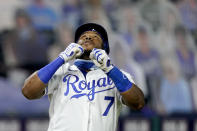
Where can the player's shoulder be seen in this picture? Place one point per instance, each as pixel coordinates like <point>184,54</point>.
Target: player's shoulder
<point>67,67</point>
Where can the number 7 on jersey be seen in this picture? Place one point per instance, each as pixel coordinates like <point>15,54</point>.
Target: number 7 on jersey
<point>111,99</point>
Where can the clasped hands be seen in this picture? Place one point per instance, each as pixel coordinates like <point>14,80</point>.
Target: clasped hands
<point>98,56</point>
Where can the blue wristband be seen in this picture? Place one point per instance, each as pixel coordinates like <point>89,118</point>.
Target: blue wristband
<point>121,82</point>
<point>47,72</point>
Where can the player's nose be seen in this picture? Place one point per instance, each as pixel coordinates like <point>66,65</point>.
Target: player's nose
<point>88,38</point>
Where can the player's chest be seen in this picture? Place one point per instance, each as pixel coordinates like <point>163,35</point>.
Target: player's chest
<point>76,85</point>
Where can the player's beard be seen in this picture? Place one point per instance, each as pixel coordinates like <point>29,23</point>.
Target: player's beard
<point>85,55</point>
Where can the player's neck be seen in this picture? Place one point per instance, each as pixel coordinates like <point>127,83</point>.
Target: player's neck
<point>85,55</point>
<point>84,65</point>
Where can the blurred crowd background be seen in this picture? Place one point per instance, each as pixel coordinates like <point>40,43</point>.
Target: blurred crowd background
<point>154,40</point>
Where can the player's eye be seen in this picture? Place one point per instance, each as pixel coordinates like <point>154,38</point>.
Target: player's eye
<point>83,36</point>
<point>96,37</point>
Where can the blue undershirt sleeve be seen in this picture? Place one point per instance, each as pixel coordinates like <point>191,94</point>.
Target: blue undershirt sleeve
<point>120,80</point>
<point>49,70</point>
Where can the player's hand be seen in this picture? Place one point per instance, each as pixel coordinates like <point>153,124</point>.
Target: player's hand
<point>71,52</point>
<point>101,59</point>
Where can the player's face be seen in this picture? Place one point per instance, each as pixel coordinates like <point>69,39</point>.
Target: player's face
<point>90,40</point>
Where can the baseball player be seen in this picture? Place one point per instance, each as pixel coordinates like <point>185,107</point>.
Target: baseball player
<point>88,95</point>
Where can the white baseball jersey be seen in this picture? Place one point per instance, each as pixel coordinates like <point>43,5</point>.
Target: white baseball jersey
<point>79,103</point>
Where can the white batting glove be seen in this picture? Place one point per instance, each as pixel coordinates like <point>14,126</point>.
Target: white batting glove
<point>71,52</point>
<point>101,59</point>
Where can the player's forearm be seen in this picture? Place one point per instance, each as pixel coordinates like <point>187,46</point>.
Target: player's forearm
<point>134,98</point>
<point>33,87</point>
<point>132,95</point>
